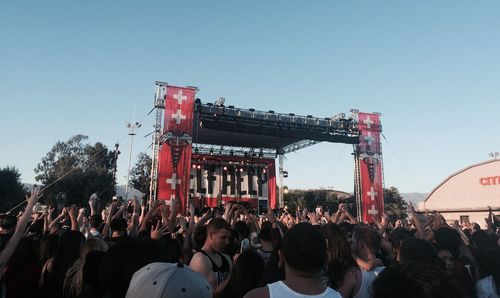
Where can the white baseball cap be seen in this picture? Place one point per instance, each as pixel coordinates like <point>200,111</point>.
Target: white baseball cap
<point>165,280</point>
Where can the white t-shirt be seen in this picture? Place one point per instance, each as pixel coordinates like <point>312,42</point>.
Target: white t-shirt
<point>280,290</point>
<point>485,288</point>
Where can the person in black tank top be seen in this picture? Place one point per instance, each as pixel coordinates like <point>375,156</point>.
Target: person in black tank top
<point>223,271</point>
<point>210,261</point>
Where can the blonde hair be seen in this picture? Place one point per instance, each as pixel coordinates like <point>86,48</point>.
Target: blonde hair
<point>73,282</point>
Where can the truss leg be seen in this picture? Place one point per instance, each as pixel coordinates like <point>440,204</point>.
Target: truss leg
<point>281,202</point>
<point>159,103</point>
<point>357,185</point>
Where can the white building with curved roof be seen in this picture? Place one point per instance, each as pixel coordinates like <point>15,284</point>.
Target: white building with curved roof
<point>467,194</point>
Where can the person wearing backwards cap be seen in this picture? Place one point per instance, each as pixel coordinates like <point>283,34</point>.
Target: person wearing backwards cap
<point>165,280</point>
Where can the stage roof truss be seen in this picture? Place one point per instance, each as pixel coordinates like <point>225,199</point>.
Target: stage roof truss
<point>248,128</point>
<point>219,150</point>
<point>297,146</point>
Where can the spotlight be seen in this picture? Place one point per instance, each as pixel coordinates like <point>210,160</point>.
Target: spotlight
<point>225,168</point>
<point>194,166</point>
<point>199,167</point>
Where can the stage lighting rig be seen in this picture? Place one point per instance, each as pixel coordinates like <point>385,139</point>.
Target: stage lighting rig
<point>220,102</point>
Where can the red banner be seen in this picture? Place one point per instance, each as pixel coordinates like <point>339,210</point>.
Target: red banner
<point>216,180</point>
<point>370,161</point>
<point>175,151</point>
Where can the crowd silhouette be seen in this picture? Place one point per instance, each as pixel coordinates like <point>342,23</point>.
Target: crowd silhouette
<point>134,249</point>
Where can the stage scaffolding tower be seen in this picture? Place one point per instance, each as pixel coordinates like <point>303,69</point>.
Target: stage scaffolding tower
<point>159,104</point>
<point>357,184</point>
<point>357,173</point>
<point>281,204</point>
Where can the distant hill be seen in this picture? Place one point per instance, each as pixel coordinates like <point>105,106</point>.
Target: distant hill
<point>120,191</point>
<point>414,197</point>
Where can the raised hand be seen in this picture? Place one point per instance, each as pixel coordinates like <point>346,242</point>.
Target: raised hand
<point>73,211</point>
<point>32,199</point>
<point>313,217</point>
<point>158,231</point>
<point>112,209</point>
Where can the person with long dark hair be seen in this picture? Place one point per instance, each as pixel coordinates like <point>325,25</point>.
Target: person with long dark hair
<point>342,271</point>
<point>489,286</point>
<point>245,275</point>
<point>23,271</point>
<point>54,270</point>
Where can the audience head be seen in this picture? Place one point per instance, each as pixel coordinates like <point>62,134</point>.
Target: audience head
<point>218,232</point>
<point>447,260</point>
<point>304,249</point>
<point>246,275</point>
<point>365,238</point>
<point>118,225</point>
<point>449,239</point>
<point>415,280</point>
<point>8,223</point>
<point>265,235</point>
<point>339,253</point>
<point>417,250</point>
<point>95,221</point>
<point>166,280</point>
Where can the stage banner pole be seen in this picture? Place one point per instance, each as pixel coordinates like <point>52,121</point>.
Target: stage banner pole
<point>272,185</point>
<point>176,146</point>
<point>370,162</point>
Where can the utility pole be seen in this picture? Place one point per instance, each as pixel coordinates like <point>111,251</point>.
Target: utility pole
<point>131,132</point>
<point>115,160</point>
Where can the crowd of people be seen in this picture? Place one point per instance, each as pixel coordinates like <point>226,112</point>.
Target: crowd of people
<point>131,249</point>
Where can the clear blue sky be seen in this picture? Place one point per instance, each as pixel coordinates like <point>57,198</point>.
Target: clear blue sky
<point>430,67</point>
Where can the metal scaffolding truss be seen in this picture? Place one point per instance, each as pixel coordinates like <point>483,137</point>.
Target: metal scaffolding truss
<point>297,146</point>
<point>222,150</point>
<point>159,104</point>
<point>334,125</point>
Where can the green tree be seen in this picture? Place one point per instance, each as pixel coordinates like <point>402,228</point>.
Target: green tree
<point>11,189</point>
<point>395,205</point>
<point>311,198</point>
<point>141,173</point>
<point>77,169</point>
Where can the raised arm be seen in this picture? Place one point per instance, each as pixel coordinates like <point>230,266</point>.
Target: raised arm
<point>418,225</point>
<point>144,223</point>
<point>20,229</point>
<point>112,211</point>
